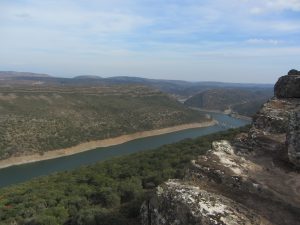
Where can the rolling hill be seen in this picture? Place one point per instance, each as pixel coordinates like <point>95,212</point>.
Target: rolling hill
<point>178,88</point>
<point>39,119</point>
<point>242,101</point>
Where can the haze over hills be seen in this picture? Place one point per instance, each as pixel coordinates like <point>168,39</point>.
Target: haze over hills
<point>183,89</point>
<point>14,74</point>
<point>242,98</point>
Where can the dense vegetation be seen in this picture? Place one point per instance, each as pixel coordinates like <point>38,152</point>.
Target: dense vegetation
<point>34,120</point>
<point>106,193</point>
<point>242,101</point>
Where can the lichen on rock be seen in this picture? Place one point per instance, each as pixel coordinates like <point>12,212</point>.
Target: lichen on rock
<point>183,204</point>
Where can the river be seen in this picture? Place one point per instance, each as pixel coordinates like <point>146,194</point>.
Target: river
<point>21,173</point>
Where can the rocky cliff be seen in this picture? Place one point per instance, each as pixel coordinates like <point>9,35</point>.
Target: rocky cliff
<point>253,180</point>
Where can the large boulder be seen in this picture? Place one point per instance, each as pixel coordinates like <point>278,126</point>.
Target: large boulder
<point>293,139</point>
<point>288,86</point>
<point>294,72</point>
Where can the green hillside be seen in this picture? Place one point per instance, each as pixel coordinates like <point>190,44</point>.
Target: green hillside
<point>35,120</point>
<point>107,193</point>
<point>243,101</point>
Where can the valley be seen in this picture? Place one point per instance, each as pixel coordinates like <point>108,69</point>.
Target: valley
<point>19,169</point>
<point>86,137</point>
<point>108,192</point>
<point>130,112</point>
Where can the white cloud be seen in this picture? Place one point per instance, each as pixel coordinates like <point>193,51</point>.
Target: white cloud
<point>284,4</point>
<point>260,41</point>
<point>286,26</point>
<point>68,16</point>
<point>252,53</point>
<point>256,10</point>
<point>268,6</point>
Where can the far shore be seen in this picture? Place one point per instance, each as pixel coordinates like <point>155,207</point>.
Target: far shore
<point>234,115</point>
<point>86,146</point>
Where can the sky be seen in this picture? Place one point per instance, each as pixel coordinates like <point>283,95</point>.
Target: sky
<point>197,40</point>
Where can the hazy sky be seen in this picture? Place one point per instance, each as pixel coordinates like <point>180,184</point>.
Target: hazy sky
<point>220,40</point>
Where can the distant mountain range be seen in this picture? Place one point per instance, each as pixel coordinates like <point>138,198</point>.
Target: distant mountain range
<point>13,74</point>
<point>182,89</point>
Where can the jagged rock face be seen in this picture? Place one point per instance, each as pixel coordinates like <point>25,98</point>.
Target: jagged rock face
<point>251,174</point>
<point>293,139</point>
<point>184,204</point>
<point>275,128</point>
<point>273,116</point>
<point>270,125</point>
<point>288,86</point>
<point>224,188</point>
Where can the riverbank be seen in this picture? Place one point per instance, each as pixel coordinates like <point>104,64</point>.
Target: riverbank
<point>238,116</point>
<point>229,113</point>
<point>19,160</point>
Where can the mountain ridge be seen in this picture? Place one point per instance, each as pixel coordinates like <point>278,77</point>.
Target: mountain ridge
<point>181,89</point>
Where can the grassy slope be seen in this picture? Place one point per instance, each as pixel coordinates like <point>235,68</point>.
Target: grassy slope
<point>38,120</point>
<point>106,193</point>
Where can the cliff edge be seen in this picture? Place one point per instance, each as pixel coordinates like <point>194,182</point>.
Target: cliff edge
<point>253,180</point>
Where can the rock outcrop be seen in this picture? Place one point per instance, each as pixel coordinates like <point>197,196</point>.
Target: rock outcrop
<point>276,126</point>
<point>253,180</point>
<point>288,86</point>
<point>294,72</point>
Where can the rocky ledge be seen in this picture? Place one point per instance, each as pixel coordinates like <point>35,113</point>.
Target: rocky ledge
<point>254,180</point>
<point>192,205</point>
